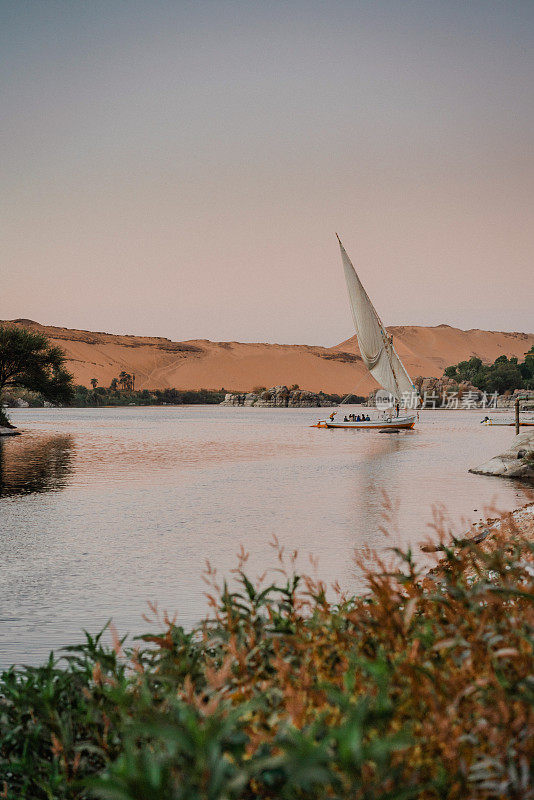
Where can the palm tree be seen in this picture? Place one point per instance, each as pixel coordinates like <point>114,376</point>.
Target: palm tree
<point>94,382</point>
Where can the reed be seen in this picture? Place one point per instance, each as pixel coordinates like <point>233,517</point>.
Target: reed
<point>421,687</point>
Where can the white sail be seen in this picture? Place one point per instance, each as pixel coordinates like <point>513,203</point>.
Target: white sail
<point>376,347</point>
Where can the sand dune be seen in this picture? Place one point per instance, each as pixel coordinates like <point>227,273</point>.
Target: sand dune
<point>159,363</point>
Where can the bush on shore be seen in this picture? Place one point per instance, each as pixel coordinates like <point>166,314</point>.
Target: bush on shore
<point>422,687</point>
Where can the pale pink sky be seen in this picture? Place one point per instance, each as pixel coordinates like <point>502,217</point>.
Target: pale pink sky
<point>179,168</point>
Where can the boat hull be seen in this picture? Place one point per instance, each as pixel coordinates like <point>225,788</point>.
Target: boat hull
<point>398,423</point>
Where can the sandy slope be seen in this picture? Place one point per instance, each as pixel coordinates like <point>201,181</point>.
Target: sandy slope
<point>159,363</point>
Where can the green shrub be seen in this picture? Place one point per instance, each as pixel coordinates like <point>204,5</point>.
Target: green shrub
<point>503,375</point>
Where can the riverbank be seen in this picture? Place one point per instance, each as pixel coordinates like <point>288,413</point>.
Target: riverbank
<point>521,520</point>
<point>488,533</point>
<point>101,396</point>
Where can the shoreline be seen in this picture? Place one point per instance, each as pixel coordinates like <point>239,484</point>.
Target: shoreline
<point>522,517</point>
<point>482,533</point>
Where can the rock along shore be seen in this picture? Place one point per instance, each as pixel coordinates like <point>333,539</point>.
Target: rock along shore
<point>516,462</point>
<point>278,397</point>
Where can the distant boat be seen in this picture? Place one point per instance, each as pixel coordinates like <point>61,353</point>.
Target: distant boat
<point>508,423</point>
<point>378,355</point>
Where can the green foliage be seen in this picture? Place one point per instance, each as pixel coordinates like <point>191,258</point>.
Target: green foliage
<point>421,688</point>
<point>29,361</point>
<point>505,374</point>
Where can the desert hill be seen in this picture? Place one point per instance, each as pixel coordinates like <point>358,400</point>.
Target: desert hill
<point>158,363</point>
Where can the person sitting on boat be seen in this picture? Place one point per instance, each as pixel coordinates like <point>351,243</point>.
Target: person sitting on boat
<point>358,418</point>
<point>332,415</point>
<point>345,419</point>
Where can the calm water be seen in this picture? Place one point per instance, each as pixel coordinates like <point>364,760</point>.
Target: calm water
<point>102,510</point>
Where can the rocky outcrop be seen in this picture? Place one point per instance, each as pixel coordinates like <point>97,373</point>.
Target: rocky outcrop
<point>516,462</point>
<point>440,392</point>
<point>526,396</point>
<point>278,397</point>
<point>444,385</point>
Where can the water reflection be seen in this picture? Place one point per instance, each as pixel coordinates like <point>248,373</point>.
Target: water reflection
<point>34,464</point>
<point>373,487</point>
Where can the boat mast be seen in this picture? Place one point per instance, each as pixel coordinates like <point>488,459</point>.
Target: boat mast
<point>387,345</point>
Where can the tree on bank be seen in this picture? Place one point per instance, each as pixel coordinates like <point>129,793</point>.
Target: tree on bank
<point>505,374</point>
<point>29,361</point>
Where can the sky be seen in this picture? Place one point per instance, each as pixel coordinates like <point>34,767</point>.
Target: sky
<point>180,168</point>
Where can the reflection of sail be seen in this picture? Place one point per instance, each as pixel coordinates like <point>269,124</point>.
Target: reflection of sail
<point>30,465</point>
<point>376,347</point>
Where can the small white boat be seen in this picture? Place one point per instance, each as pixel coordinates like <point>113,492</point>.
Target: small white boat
<point>378,355</point>
<point>523,423</point>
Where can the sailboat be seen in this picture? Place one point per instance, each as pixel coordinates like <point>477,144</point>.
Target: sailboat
<point>378,355</point>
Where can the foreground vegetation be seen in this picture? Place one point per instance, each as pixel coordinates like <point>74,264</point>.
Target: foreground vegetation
<point>422,688</point>
<point>504,375</point>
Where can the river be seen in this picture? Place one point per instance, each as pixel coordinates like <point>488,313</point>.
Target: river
<point>102,510</point>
